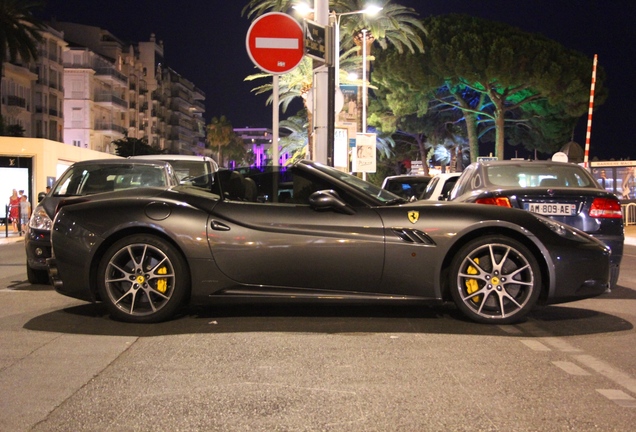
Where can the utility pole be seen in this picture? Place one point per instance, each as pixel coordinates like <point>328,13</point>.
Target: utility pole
<point>321,92</point>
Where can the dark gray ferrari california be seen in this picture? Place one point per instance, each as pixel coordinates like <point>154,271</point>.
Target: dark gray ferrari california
<point>309,231</point>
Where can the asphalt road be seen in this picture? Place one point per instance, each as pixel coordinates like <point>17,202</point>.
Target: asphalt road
<point>66,366</point>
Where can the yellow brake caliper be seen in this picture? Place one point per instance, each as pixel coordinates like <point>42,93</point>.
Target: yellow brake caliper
<point>162,284</point>
<point>471,284</point>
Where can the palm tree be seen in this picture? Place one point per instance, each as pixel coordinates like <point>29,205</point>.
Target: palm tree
<point>19,33</point>
<point>395,25</point>
<point>219,134</point>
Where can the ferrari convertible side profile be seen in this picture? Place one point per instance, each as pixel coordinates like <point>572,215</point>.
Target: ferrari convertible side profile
<point>310,231</point>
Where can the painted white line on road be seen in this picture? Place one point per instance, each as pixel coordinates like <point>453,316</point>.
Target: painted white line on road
<point>277,43</point>
<point>561,344</point>
<point>535,345</point>
<point>619,377</point>
<point>510,329</point>
<point>618,397</point>
<point>571,368</point>
<point>534,330</point>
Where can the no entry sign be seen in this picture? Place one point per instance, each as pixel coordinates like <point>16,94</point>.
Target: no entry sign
<point>274,42</point>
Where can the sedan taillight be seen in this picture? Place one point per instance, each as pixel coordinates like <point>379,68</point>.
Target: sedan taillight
<point>606,208</point>
<point>498,201</point>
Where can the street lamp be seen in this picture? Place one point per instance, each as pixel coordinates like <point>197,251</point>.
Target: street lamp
<point>335,18</point>
<point>334,69</point>
<point>369,10</point>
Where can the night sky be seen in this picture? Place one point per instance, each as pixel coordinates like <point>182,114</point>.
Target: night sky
<point>204,41</point>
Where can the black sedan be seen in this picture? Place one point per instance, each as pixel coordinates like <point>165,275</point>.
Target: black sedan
<point>565,192</point>
<point>147,252</point>
<point>82,179</point>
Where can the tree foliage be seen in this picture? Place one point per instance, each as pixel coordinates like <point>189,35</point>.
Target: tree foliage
<point>129,146</point>
<point>497,75</point>
<point>19,33</point>
<point>220,133</point>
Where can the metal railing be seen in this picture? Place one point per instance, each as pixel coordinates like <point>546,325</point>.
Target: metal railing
<point>629,213</point>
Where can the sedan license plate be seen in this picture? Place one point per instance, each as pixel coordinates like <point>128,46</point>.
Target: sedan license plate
<point>551,209</point>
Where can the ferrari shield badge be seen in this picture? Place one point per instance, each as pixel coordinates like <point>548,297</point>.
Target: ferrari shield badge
<point>413,216</point>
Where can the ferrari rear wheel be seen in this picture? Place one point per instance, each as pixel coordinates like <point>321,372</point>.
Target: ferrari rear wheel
<point>495,280</point>
<point>142,279</point>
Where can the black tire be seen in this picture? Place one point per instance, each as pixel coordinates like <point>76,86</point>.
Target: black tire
<point>37,277</point>
<point>614,273</point>
<point>142,279</point>
<point>495,280</point>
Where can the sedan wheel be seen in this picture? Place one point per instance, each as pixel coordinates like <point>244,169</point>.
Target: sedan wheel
<point>37,277</point>
<point>142,279</point>
<point>495,280</point>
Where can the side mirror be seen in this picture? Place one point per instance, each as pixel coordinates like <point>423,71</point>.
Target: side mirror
<point>41,196</point>
<point>329,200</point>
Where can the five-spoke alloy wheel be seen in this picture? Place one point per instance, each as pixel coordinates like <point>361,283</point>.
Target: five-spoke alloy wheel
<point>142,278</point>
<point>495,279</point>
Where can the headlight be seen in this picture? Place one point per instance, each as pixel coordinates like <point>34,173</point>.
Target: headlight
<point>40,220</point>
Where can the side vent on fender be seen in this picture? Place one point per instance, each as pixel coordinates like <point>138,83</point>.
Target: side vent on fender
<point>413,236</point>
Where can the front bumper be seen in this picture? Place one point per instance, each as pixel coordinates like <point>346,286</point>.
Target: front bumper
<point>37,245</point>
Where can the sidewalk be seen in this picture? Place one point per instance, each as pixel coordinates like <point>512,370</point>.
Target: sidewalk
<point>630,236</point>
<point>12,237</point>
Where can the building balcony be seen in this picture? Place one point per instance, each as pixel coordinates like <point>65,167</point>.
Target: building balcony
<point>109,98</point>
<point>109,126</point>
<point>16,101</point>
<point>198,106</point>
<point>111,73</point>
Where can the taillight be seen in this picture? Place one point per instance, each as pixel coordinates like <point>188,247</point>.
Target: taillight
<point>498,201</point>
<point>606,208</point>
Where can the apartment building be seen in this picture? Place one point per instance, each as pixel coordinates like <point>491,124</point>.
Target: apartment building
<point>89,88</point>
<point>180,117</point>
<point>33,93</point>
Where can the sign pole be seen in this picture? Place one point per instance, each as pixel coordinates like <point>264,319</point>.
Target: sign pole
<point>321,92</point>
<point>275,43</point>
<point>275,127</point>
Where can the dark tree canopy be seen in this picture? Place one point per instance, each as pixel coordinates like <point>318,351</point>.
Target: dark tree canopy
<point>134,147</point>
<point>498,75</point>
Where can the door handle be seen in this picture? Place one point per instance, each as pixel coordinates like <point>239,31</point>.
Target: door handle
<point>218,226</point>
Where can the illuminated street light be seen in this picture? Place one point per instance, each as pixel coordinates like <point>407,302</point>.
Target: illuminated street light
<point>369,10</point>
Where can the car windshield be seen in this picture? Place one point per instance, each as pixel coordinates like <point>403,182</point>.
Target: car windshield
<point>382,194</point>
<point>539,175</point>
<point>91,179</point>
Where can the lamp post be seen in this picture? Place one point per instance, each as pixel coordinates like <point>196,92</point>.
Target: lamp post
<point>334,21</point>
<point>369,10</point>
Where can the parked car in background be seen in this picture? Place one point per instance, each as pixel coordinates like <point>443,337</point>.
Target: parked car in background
<point>440,186</point>
<point>192,170</point>
<point>80,180</point>
<point>407,186</point>
<point>146,253</point>
<point>566,193</point>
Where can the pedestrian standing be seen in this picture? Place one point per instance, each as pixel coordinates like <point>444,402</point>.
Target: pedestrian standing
<point>14,209</point>
<point>25,213</point>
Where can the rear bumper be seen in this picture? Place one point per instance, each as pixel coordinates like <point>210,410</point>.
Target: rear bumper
<point>615,244</point>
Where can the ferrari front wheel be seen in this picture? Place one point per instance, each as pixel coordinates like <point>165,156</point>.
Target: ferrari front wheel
<point>495,280</point>
<point>143,279</point>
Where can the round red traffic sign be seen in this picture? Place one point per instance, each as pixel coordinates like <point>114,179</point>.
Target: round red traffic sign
<point>275,42</point>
